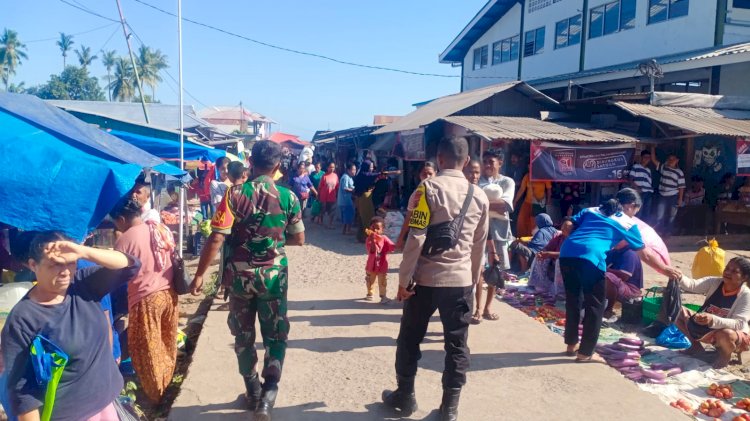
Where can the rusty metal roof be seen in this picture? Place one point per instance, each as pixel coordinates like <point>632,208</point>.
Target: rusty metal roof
<point>452,104</point>
<point>524,128</point>
<point>698,120</point>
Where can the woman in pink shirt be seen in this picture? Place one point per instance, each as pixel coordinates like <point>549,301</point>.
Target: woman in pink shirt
<point>152,302</point>
<point>328,194</point>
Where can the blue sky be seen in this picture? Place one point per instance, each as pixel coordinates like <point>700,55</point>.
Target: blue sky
<point>303,94</point>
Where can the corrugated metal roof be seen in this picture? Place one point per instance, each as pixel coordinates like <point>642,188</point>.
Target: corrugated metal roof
<point>161,116</point>
<point>452,104</point>
<point>232,113</point>
<point>703,121</point>
<point>701,54</point>
<point>524,128</point>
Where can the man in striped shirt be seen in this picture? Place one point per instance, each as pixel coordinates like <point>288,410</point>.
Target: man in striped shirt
<point>671,191</point>
<point>641,181</point>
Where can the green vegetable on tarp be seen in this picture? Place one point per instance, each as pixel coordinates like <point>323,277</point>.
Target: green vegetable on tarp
<point>49,362</point>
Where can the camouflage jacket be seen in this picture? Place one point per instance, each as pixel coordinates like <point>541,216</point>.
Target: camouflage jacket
<point>256,217</point>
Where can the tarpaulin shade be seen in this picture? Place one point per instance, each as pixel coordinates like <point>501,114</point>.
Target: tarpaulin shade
<point>60,173</point>
<point>169,149</point>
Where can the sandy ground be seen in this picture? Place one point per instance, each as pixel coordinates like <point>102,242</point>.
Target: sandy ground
<point>341,356</point>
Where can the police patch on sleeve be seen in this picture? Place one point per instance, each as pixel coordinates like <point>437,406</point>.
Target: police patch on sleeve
<point>420,217</point>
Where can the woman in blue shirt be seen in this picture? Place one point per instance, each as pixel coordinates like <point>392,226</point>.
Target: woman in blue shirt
<point>583,264</point>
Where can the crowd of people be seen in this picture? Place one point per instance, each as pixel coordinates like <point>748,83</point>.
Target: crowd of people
<point>458,231</point>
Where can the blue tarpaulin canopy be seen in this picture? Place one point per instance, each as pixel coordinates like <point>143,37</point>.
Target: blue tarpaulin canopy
<point>60,173</point>
<point>169,149</point>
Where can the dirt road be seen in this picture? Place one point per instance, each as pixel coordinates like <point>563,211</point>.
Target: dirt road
<point>341,356</point>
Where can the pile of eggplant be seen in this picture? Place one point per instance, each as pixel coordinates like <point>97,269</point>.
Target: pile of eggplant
<point>625,356</point>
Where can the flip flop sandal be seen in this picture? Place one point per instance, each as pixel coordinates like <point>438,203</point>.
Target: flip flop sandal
<point>490,316</point>
<point>476,319</point>
<point>589,359</point>
<point>572,353</point>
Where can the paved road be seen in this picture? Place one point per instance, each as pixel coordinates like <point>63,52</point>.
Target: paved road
<point>341,356</point>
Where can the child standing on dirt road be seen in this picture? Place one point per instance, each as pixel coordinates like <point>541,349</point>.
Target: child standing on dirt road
<point>378,246</point>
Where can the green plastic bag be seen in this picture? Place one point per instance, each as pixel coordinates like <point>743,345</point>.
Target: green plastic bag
<point>315,208</point>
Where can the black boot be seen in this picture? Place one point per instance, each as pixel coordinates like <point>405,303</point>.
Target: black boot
<point>252,391</point>
<point>449,407</point>
<point>403,399</point>
<point>267,400</point>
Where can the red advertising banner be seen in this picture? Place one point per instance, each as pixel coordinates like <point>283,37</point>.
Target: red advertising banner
<point>743,156</point>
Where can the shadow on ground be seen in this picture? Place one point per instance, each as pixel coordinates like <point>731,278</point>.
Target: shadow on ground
<point>434,359</point>
<point>316,236</point>
<point>309,411</point>
<point>347,319</point>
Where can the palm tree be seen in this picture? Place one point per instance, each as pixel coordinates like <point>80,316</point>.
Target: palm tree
<point>12,51</point>
<point>17,89</point>
<point>66,44</point>
<point>150,63</point>
<point>84,56</point>
<point>123,85</point>
<point>109,58</point>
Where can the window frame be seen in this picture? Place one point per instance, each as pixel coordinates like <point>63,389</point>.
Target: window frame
<point>567,35</point>
<point>483,49</point>
<point>505,55</point>
<point>602,11</point>
<point>667,16</point>
<point>536,48</point>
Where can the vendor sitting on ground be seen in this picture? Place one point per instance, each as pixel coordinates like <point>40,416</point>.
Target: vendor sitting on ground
<point>722,320</point>
<point>526,249</point>
<point>542,276</point>
<point>624,278</point>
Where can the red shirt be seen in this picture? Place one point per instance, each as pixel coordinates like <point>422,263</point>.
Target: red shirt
<point>328,188</point>
<point>378,246</point>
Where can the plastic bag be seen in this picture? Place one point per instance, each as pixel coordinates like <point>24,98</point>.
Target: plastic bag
<point>315,210</point>
<point>672,337</point>
<point>671,303</point>
<point>709,261</point>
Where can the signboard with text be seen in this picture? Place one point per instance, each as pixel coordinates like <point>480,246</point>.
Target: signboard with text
<point>743,156</point>
<point>582,163</point>
<point>413,144</point>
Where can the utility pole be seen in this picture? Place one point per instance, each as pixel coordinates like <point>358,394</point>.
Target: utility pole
<point>182,125</point>
<point>132,61</point>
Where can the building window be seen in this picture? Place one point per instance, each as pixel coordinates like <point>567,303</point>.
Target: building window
<point>533,42</point>
<point>505,50</point>
<point>661,10</point>
<point>568,32</point>
<point>741,4</point>
<point>480,57</point>
<point>612,17</point>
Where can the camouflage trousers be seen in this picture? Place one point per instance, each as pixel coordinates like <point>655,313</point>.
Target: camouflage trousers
<point>274,328</point>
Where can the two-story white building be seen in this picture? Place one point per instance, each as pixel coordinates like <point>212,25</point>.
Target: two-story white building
<point>595,47</point>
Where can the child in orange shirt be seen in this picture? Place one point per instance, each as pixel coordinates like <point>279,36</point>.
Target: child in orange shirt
<point>378,246</point>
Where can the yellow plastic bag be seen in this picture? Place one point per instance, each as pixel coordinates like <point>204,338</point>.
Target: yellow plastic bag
<point>709,261</point>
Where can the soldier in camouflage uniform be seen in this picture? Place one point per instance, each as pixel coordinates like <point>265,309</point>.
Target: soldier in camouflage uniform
<point>254,222</point>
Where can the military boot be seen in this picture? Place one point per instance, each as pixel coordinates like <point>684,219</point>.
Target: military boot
<point>267,400</point>
<point>252,391</point>
<point>402,400</point>
<point>449,406</point>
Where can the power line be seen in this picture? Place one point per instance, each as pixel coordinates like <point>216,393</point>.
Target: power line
<point>89,11</point>
<point>138,38</point>
<point>77,33</point>
<point>294,51</point>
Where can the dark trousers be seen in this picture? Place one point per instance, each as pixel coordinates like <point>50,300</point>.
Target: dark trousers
<point>646,211</point>
<point>454,305</point>
<point>584,288</point>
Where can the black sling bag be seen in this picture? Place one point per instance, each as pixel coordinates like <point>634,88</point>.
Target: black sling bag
<point>444,236</point>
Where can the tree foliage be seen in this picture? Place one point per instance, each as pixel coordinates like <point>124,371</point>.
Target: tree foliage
<point>12,52</point>
<point>65,43</point>
<point>84,56</point>
<point>123,85</point>
<point>150,64</point>
<point>109,59</point>
<point>74,83</point>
